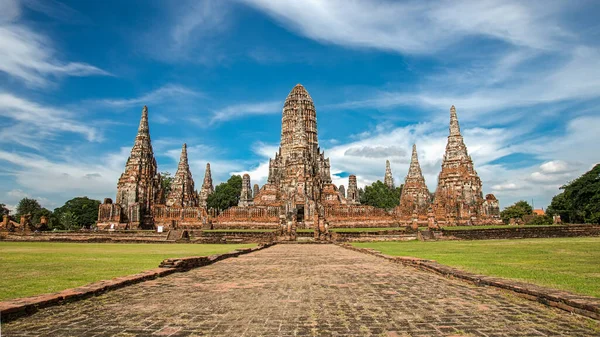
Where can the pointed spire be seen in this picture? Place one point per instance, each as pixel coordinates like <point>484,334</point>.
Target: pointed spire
<point>143,128</point>
<point>183,193</point>
<point>414,158</point>
<point>388,180</point>
<point>454,127</point>
<point>183,159</point>
<point>207,186</point>
<point>414,171</point>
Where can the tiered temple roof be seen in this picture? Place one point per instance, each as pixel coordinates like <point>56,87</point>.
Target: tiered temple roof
<point>415,196</point>
<point>183,193</point>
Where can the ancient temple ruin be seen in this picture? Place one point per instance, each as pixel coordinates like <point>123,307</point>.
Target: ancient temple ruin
<point>183,193</point>
<point>246,194</point>
<point>139,187</point>
<point>299,192</point>
<point>415,199</point>
<point>207,187</point>
<point>458,198</point>
<point>388,180</point>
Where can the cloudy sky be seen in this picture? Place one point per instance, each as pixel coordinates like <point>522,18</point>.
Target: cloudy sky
<point>74,75</point>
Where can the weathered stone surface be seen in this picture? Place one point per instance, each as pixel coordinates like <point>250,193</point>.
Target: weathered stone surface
<point>255,189</point>
<point>310,290</point>
<point>139,186</point>
<point>415,199</point>
<point>183,192</point>
<point>458,197</point>
<point>246,194</point>
<point>207,187</point>
<point>352,195</point>
<point>342,191</point>
<point>388,180</point>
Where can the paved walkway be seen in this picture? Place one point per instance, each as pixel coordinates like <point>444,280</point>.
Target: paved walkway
<point>303,290</point>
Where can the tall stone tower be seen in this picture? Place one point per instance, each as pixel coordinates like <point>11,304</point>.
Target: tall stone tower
<point>183,193</point>
<point>299,174</point>
<point>388,180</point>
<point>207,187</point>
<point>342,191</point>
<point>255,189</point>
<point>246,194</point>
<point>352,194</point>
<point>139,186</point>
<point>458,197</point>
<point>415,194</point>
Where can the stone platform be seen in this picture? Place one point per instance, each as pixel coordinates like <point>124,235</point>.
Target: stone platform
<point>303,290</point>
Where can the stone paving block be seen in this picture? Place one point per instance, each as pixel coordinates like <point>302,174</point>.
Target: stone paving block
<point>303,290</point>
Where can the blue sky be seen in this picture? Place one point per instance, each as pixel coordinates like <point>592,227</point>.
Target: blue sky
<point>74,76</point>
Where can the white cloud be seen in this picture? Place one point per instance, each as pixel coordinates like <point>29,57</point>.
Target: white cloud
<point>162,94</point>
<point>246,109</point>
<point>35,123</point>
<point>505,187</point>
<point>53,181</point>
<point>416,26</point>
<point>30,56</point>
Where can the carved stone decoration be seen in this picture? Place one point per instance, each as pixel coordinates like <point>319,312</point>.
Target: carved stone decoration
<point>246,194</point>
<point>415,195</point>
<point>299,172</point>
<point>388,180</point>
<point>352,194</point>
<point>183,193</point>
<point>207,187</point>
<point>458,197</point>
<point>342,191</point>
<point>139,186</point>
<point>491,207</point>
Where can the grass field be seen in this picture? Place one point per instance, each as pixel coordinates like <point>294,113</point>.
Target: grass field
<point>456,228</point>
<point>31,268</point>
<point>367,229</point>
<point>571,264</point>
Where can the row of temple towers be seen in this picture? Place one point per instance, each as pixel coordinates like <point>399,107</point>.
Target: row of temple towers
<point>141,186</point>
<point>299,177</point>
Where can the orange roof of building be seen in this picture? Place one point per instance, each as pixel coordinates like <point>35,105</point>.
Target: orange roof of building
<point>539,212</point>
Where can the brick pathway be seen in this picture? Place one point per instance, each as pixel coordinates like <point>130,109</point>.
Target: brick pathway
<point>303,290</point>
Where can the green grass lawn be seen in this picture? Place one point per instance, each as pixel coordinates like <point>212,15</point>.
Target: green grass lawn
<point>456,228</point>
<point>571,264</point>
<point>32,268</point>
<point>366,229</point>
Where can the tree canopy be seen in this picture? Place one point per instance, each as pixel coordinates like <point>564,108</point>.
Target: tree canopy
<point>580,200</point>
<point>517,211</point>
<point>3,210</point>
<point>166,181</point>
<point>33,207</point>
<point>226,194</point>
<point>381,196</point>
<point>76,213</point>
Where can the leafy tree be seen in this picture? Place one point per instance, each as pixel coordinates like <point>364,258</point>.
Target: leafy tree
<point>166,181</point>
<point>539,220</point>
<point>3,211</point>
<point>33,207</point>
<point>226,194</point>
<point>516,211</point>
<point>381,196</point>
<point>580,200</point>
<point>77,212</point>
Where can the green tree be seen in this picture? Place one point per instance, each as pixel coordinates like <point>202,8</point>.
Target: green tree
<point>381,196</point>
<point>33,207</point>
<point>226,194</point>
<point>77,212</point>
<point>166,181</point>
<point>516,211</point>
<point>580,200</point>
<point>3,211</point>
